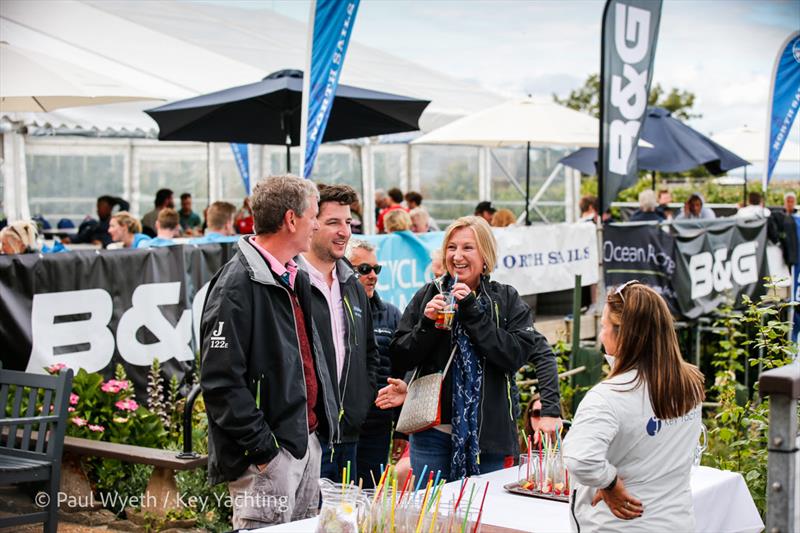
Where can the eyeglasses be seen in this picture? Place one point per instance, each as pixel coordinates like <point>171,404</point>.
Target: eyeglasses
<point>365,268</point>
<point>622,287</point>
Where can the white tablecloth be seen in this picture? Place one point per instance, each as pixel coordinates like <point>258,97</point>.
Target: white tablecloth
<point>721,500</point>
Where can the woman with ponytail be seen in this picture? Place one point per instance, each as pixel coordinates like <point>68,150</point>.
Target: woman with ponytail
<point>629,452</point>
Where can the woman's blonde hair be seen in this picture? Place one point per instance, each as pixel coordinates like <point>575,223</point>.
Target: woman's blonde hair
<point>487,245</point>
<point>396,220</point>
<point>24,231</point>
<point>502,218</point>
<point>128,221</point>
<point>647,343</point>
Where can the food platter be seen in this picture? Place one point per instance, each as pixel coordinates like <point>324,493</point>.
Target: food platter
<point>515,488</point>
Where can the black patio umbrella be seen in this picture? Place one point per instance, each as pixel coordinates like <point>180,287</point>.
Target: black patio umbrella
<point>268,112</point>
<point>676,148</point>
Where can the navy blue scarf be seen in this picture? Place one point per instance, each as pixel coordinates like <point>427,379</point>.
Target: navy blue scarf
<point>467,381</point>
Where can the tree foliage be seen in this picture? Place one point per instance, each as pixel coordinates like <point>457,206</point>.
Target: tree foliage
<point>587,99</point>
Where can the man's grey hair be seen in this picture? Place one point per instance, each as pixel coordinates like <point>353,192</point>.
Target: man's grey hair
<point>790,194</point>
<point>420,212</point>
<point>274,196</point>
<point>355,244</point>
<point>647,200</point>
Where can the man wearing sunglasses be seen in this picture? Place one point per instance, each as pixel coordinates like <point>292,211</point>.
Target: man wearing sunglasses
<point>376,433</point>
<point>343,320</point>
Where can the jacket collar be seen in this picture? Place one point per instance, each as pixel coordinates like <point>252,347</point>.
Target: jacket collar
<point>344,270</point>
<point>376,301</point>
<point>255,263</point>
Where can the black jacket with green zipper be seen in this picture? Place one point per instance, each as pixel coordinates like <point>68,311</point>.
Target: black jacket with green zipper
<point>252,372</point>
<point>504,340</point>
<point>357,388</point>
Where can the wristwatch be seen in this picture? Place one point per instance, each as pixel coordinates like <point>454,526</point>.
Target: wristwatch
<point>612,484</point>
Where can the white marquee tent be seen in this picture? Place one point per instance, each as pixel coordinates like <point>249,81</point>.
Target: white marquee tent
<point>179,49</point>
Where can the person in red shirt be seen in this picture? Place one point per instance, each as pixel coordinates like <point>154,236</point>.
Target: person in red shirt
<point>394,200</point>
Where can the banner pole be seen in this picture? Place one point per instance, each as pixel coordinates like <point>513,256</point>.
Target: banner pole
<point>601,149</point>
<point>305,99</point>
<point>528,184</point>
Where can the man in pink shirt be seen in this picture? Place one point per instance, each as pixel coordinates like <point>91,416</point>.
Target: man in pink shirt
<point>343,319</point>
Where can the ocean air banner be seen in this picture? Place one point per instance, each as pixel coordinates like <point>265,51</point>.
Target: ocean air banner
<point>329,34</point>
<point>784,100</point>
<point>718,261</point>
<point>93,310</point>
<point>630,32</point>
<point>640,251</point>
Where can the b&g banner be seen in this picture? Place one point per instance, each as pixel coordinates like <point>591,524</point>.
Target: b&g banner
<point>630,33</point>
<point>93,310</point>
<point>713,261</point>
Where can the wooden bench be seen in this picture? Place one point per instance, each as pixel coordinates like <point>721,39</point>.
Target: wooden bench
<point>23,457</point>
<point>162,491</point>
<point>161,487</point>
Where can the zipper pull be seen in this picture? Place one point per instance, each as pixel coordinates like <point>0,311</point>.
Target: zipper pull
<point>258,394</point>
<point>341,414</point>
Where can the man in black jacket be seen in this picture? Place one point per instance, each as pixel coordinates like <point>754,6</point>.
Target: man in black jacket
<point>376,433</point>
<point>342,316</point>
<point>265,383</point>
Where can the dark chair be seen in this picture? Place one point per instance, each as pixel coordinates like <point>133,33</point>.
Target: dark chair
<point>31,442</point>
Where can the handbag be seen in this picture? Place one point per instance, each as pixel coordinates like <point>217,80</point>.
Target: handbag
<point>422,408</point>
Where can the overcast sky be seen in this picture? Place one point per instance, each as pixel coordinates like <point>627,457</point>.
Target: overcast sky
<point>722,50</point>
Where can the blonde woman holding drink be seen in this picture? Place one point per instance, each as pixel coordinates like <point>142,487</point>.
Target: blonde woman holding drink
<point>491,336</point>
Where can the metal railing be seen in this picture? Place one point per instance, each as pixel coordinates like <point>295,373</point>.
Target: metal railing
<point>782,385</point>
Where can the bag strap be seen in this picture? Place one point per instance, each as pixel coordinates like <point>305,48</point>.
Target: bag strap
<point>446,367</point>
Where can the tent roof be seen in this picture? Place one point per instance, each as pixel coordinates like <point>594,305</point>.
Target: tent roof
<point>750,143</point>
<point>179,50</point>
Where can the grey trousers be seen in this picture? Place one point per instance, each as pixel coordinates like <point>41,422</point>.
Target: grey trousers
<point>287,490</point>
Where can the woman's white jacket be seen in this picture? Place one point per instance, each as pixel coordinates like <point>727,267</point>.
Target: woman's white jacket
<point>615,432</point>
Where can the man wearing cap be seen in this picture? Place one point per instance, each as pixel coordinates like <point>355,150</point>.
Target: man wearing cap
<point>485,210</point>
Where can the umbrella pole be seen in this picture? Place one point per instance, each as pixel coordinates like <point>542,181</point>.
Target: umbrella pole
<point>744,199</point>
<point>527,184</point>
<point>288,156</point>
<point>654,180</point>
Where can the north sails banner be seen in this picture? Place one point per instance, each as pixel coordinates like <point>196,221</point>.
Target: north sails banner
<point>93,310</point>
<point>784,101</point>
<point>630,31</point>
<point>717,262</point>
<point>242,157</point>
<point>642,252</point>
<point>532,259</point>
<point>330,29</point>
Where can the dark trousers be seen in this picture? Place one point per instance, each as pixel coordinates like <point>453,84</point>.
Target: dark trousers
<point>332,467</point>
<point>373,451</point>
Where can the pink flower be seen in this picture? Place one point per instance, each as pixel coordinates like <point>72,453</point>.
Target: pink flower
<point>80,422</point>
<point>127,405</point>
<point>73,399</point>
<point>71,409</point>
<point>55,368</point>
<point>96,428</point>
<point>114,386</point>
